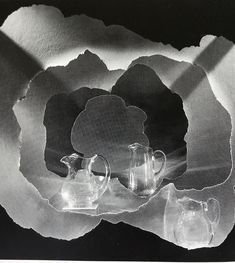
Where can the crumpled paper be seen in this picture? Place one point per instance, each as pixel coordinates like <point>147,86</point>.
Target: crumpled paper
<point>26,206</point>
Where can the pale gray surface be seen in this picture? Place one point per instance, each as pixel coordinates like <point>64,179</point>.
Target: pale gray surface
<point>115,200</point>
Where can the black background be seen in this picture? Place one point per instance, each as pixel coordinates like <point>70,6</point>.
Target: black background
<point>178,22</point>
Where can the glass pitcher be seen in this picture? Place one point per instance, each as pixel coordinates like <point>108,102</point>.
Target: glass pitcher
<point>197,222</point>
<point>82,188</point>
<point>144,175</point>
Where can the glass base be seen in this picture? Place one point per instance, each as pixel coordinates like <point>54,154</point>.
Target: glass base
<point>143,193</point>
<point>80,207</point>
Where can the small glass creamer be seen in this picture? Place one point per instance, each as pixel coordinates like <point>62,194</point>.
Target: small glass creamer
<point>197,222</point>
<point>144,175</point>
<point>82,189</point>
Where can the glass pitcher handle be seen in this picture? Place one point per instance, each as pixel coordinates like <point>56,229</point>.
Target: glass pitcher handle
<point>163,166</point>
<point>213,211</point>
<point>106,179</point>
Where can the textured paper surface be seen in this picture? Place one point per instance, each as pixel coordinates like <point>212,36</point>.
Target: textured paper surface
<point>60,39</point>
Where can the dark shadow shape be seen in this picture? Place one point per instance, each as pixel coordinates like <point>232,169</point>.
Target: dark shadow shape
<point>18,67</point>
<point>61,112</point>
<point>209,58</point>
<point>206,57</point>
<point>17,64</point>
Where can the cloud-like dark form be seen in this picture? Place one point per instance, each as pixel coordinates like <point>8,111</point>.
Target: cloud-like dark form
<point>60,114</point>
<point>107,127</point>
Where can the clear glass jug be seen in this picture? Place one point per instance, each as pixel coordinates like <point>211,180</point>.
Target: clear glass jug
<point>144,175</point>
<point>197,222</point>
<point>82,188</point>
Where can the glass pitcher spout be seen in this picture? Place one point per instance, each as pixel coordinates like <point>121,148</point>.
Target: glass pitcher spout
<point>137,148</point>
<point>70,162</point>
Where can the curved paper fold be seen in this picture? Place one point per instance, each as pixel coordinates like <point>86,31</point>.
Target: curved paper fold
<point>209,130</point>
<point>30,112</point>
